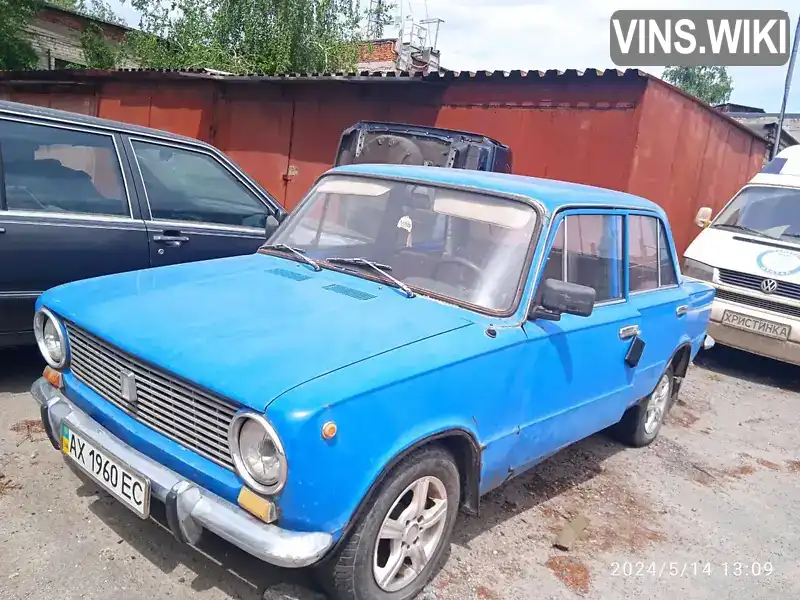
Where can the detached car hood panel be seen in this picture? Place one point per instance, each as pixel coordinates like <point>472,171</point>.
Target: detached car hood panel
<point>250,327</point>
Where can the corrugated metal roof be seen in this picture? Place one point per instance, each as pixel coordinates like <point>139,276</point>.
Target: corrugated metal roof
<point>442,75</point>
<point>83,15</point>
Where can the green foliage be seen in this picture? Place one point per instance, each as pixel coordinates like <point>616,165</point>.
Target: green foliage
<point>16,51</point>
<point>712,85</point>
<point>248,36</point>
<point>98,52</point>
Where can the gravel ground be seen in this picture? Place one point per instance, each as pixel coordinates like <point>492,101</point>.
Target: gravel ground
<point>702,513</point>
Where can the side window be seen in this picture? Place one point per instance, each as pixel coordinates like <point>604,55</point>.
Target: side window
<point>185,185</point>
<point>594,254</point>
<point>650,260</point>
<point>665,264</point>
<point>588,250</point>
<point>643,253</point>
<point>55,170</point>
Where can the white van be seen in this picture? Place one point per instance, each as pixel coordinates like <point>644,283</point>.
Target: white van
<point>751,253</point>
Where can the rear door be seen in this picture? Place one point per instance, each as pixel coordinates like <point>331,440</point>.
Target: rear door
<point>197,206</point>
<point>655,293</point>
<point>66,213</point>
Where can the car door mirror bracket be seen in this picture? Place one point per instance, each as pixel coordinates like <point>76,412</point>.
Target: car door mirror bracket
<point>271,225</point>
<point>560,297</point>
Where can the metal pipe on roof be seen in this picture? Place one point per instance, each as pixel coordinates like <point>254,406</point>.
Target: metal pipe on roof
<point>789,73</point>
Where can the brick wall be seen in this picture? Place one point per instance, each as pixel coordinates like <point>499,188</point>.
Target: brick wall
<point>55,36</point>
<point>377,51</point>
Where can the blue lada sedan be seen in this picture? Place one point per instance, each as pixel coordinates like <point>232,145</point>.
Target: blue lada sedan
<point>409,339</point>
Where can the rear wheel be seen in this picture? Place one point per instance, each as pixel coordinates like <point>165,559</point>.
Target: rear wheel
<point>641,423</point>
<point>398,545</point>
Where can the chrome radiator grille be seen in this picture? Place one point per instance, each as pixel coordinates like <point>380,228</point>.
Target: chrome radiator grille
<point>777,307</point>
<point>184,413</point>
<point>753,282</point>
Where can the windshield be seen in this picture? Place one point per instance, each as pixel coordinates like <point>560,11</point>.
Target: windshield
<point>769,211</point>
<point>468,246</point>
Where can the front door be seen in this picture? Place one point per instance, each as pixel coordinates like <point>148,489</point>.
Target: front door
<point>578,381</point>
<point>65,214</point>
<point>199,207</point>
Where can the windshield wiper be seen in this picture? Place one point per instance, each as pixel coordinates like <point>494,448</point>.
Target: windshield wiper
<point>744,229</point>
<point>380,268</point>
<point>299,253</point>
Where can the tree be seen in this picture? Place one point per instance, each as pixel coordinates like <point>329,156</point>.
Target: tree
<point>253,36</point>
<point>712,85</point>
<point>16,51</point>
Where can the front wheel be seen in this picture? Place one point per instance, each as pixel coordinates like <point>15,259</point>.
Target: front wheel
<point>397,546</point>
<point>641,423</point>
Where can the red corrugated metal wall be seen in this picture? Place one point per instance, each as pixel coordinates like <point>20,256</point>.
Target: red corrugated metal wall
<point>687,156</point>
<point>627,133</point>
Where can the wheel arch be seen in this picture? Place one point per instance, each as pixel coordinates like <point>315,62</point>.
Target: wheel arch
<point>680,365</point>
<point>464,447</point>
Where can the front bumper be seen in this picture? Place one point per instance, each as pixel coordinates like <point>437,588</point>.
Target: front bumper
<point>787,351</point>
<point>784,351</point>
<point>190,508</point>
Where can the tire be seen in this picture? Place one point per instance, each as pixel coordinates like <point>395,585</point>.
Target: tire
<point>350,574</point>
<point>634,429</point>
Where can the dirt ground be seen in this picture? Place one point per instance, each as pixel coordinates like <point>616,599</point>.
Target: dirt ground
<point>708,511</point>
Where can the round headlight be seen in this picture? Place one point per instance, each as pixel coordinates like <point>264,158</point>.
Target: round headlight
<point>50,338</point>
<point>257,453</point>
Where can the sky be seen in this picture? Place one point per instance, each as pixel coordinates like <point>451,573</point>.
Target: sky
<point>567,34</point>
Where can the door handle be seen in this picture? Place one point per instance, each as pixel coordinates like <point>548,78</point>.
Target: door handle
<point>2,229</point>
<point>628,332</point>
<point>682,310</point>
<point>171,240</point>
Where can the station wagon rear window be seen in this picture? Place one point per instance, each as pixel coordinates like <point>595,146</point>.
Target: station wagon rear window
<point>467,246</point>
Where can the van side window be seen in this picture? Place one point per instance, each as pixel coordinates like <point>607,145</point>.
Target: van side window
<point>642,253</point>
<point>56,170</point>
<point>593,247</point>
<point>665,263</point>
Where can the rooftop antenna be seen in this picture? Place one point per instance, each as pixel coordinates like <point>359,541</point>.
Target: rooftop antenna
<point>376,18</point>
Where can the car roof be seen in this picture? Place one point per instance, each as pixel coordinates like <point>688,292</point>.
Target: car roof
<point>551,193</point>
<point>51,114</point>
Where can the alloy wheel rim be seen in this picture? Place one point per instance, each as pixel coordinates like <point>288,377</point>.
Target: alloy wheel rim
<point>657,405</point>
<point>410,534</point>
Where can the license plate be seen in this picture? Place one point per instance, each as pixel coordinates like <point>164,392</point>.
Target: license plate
<point>760,326</point>
<point>125,484</point>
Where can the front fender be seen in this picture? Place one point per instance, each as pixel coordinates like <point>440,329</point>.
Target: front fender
<point>461,383</point>
<point>327,480</point>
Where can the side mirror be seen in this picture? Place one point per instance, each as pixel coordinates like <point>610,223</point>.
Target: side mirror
<point>703,217</point>
<point>561,297</point>
<point>271,225</point>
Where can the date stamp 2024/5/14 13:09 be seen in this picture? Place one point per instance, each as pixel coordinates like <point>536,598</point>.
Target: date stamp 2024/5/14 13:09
<point>691,569</point>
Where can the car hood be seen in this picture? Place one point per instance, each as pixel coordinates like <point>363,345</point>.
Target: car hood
<point>745,253</point>
<point>251,327</point>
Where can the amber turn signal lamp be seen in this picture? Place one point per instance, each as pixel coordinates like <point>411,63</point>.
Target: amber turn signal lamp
<point>329,430</point>
<point>257,506</point>
<point>53,376</point>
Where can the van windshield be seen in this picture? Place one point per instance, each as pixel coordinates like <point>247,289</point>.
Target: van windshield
<point>468,246</point>
<point>766,211</point>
